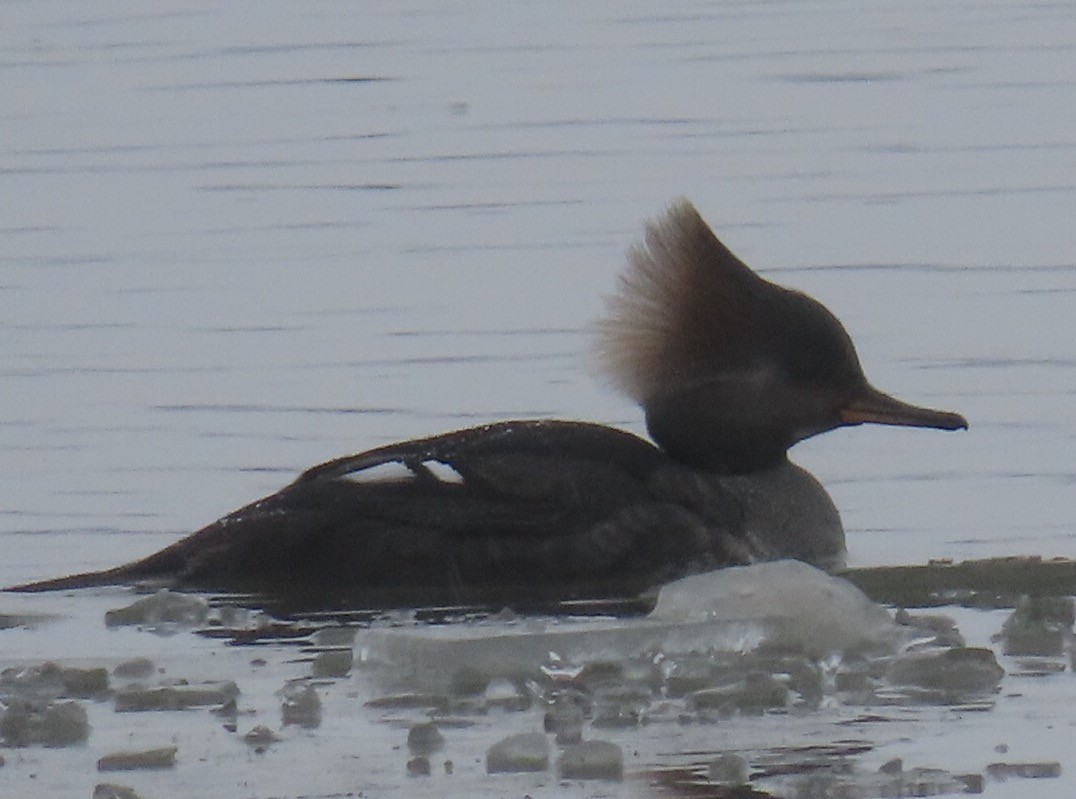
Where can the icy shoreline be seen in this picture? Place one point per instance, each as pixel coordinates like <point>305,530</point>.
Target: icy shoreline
<point>777,677</point>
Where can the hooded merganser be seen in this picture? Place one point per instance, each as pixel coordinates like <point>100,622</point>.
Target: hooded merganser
<point>730,369</point>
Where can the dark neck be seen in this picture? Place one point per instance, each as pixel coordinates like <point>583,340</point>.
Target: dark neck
<point>730,451</point>
<point>732,426</point>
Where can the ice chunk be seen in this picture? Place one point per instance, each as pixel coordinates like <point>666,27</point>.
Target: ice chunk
<point>408,702</point>
<point>565,715</point>
<point>800,605</point>
<point>753,695</point>
<point>333,663</point>
<point>1035,771</point>
<point>621,705</point>
<point>175,697</point>
<point>334,636</point>
<point>932,629</point>
<point>161,611</point>
<point>301,706</point>
<point>954,673</point>
<point>439,658</point>
<point>1039,626</point>
<point>134,669</point>
<point>107,790</point>
<point>162,758</point>
<point>260,737</point>
<point>727,769</point>
<point>687,674</point>
<point>50,680</point>
<point>505,694</point>
<point>786,605</point>
<point>911,782</point>
<point>528,751</point>
<point>591,675</point>
<point>418,766</point>
<point>26,620</point>
<point>468,682</point>
<point>28,722</point>
<point>855,679</point>
<point>229,712</point>
<point>84,683</point>
<point>43,681</point>
<point>422,739</point>
<point>591,760</point>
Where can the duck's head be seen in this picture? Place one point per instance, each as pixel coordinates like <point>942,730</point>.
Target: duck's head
<point>732,369</point>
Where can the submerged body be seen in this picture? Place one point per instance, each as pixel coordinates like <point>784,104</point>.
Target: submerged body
<point>731,371</point>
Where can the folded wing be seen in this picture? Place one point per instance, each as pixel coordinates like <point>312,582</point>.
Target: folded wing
<point>493,513</point>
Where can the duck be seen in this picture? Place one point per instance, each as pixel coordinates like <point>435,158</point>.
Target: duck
<point>730,369</point>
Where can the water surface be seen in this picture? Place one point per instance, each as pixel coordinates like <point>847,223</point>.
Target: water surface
<point>236,241</point>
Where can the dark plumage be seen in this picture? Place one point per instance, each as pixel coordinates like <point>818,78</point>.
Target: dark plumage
<point>731,370</point>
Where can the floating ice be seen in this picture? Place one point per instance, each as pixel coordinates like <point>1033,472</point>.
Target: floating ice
<point>27,722</point>
<point>955,674</point>
<point>260,737</point>
<point>755,693</point>
<point>51,680</point>
<point>727,769</point>
<point>468,682</point>
<point>418,766</point>
<point>229,712</point>
<point>591,760</point>
<point>620,704</point>
<point>785,605</point>
<point>301,706</point>
<point>1039,626</point>
<point>505,694</point>
<point>565,715</point>
<point>333,663</point>
<point>528,751</point>
<point>891,782</point>
<point>409,702</point>
<point>175,697</point>
<point>422,739</point>
<point>799,605</point>
<point>334,636</point>
<point>933,629</point>
<point>162,758</point>
<point>107,790</point>
<point>134,669</point>
<point>162,611</point>
<point>1035,771</point>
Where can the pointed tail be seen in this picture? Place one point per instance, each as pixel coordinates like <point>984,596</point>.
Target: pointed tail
<point>114,576</point>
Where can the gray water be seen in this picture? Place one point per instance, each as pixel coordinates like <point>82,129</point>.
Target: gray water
<point>237,240</point>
